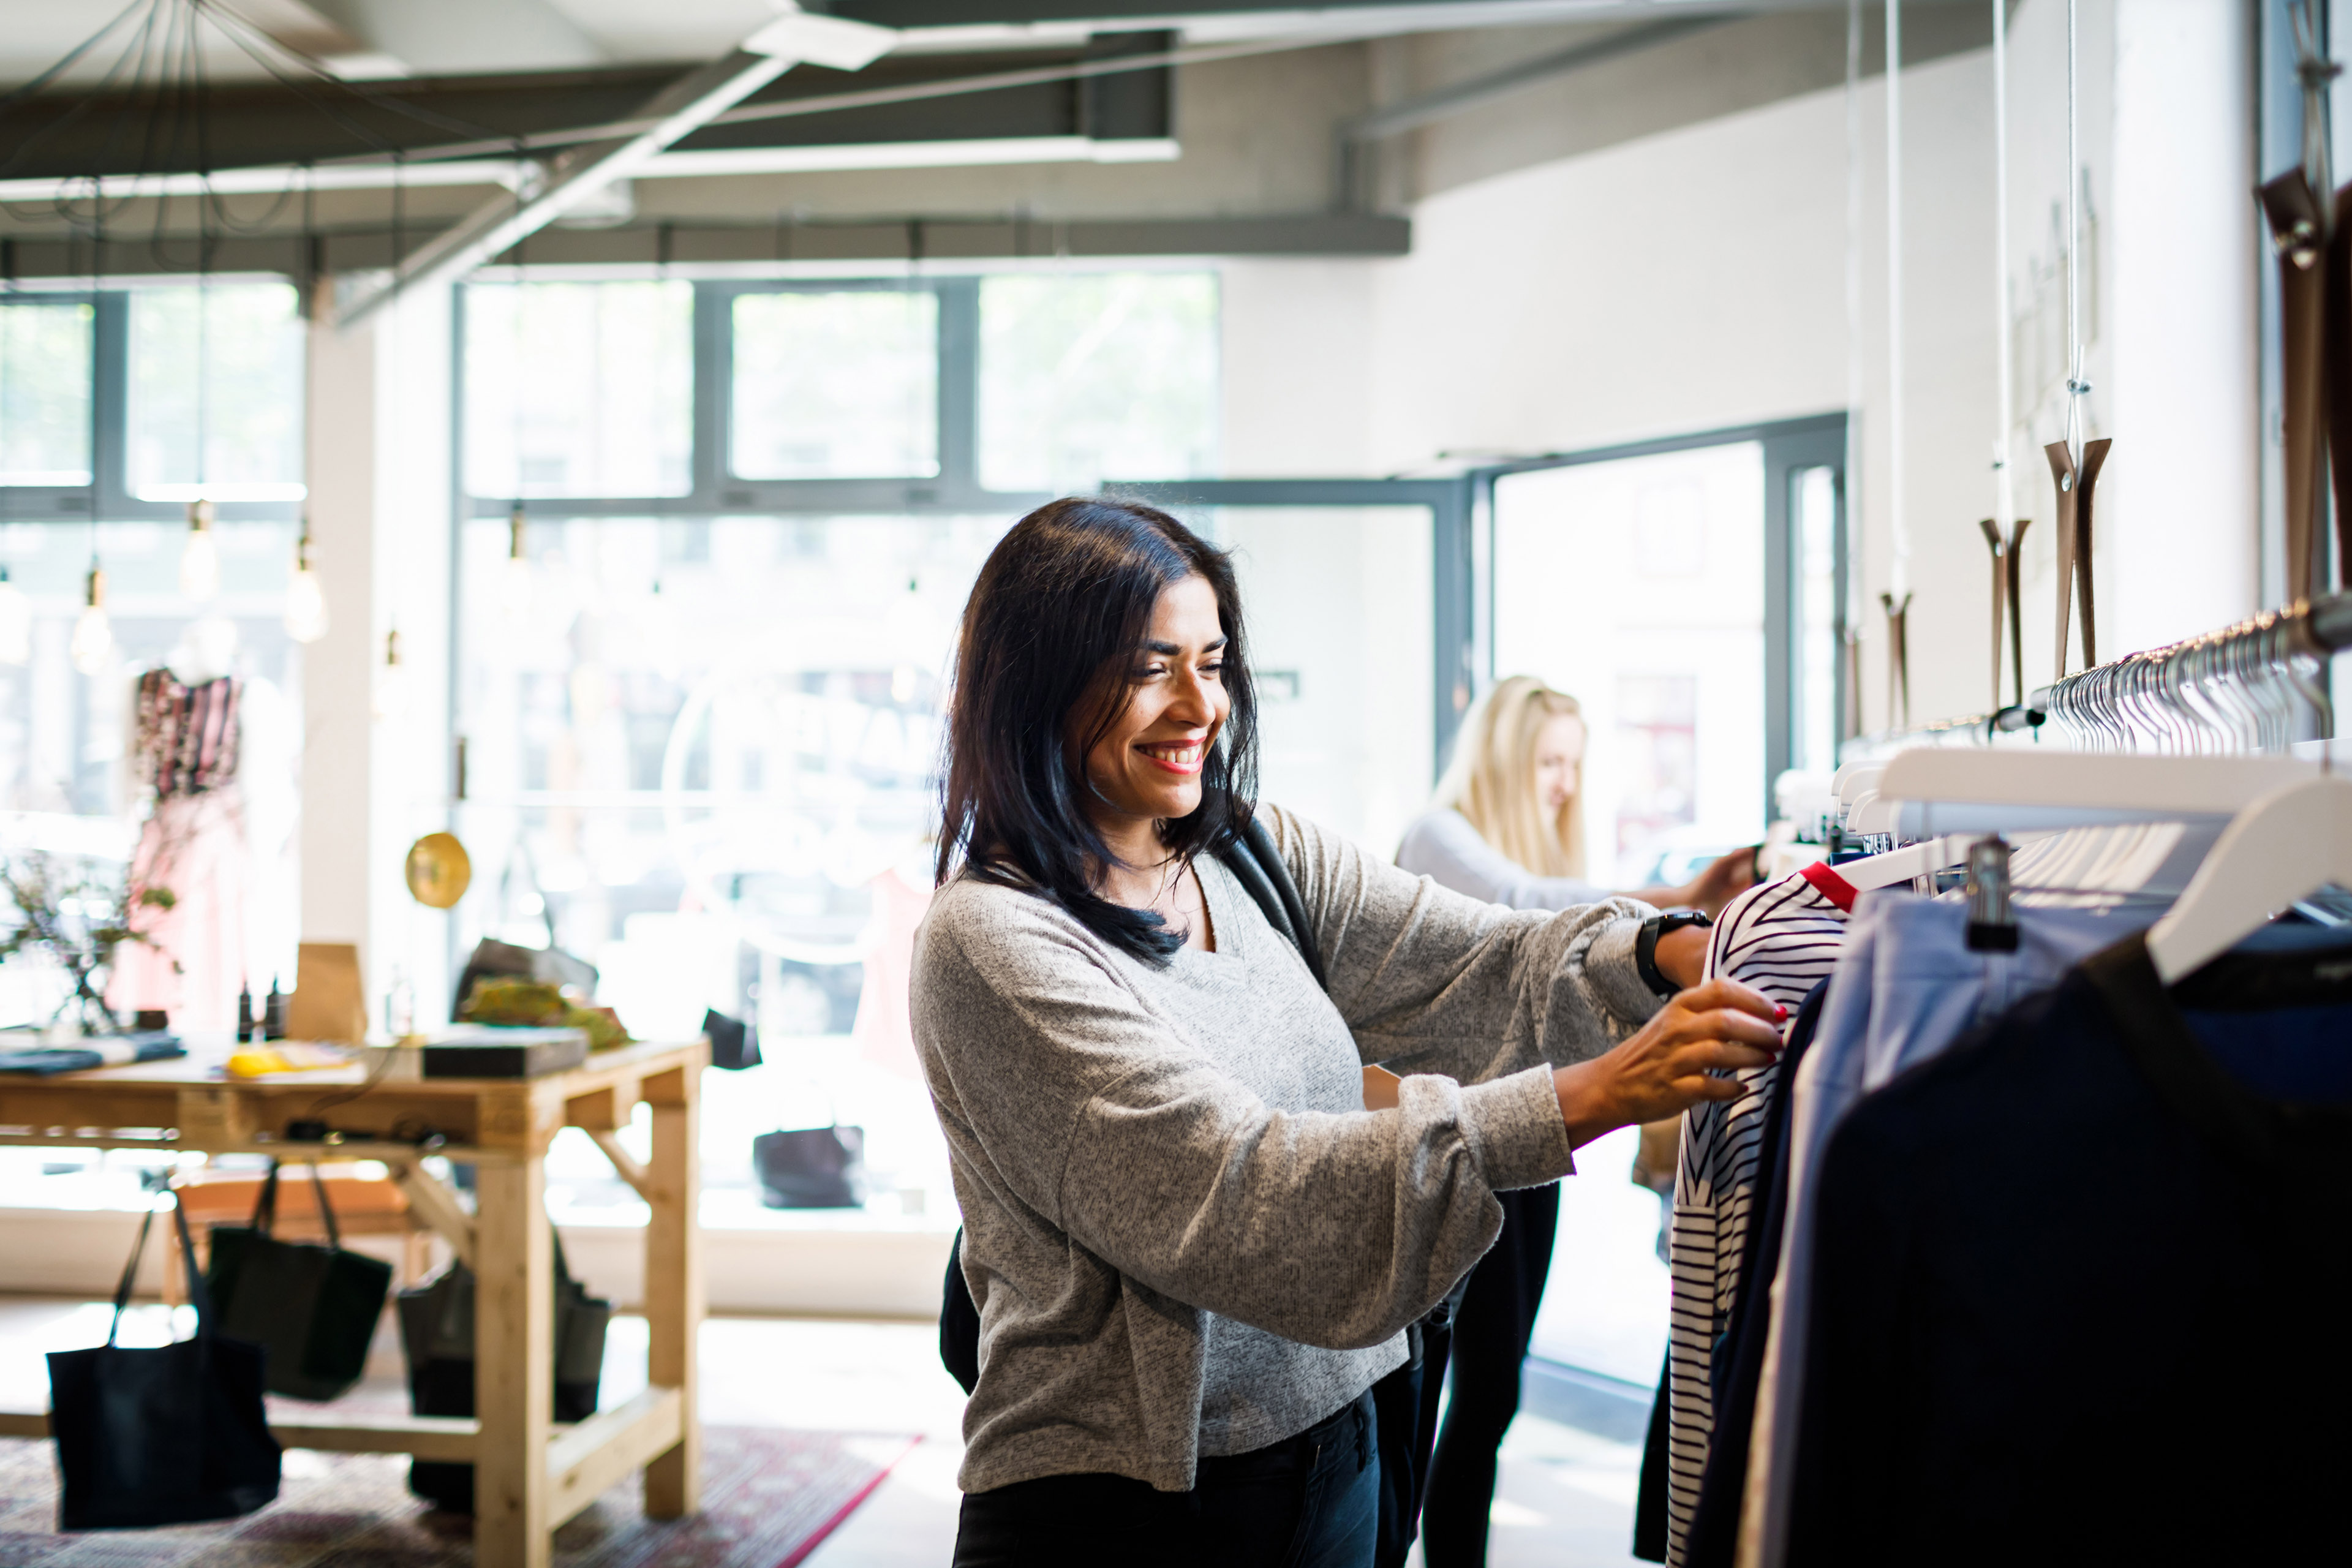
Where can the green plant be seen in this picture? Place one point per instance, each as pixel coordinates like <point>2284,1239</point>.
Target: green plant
<point>80,912</point>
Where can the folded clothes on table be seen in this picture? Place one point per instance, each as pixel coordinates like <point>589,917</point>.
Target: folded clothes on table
<point>100,1051</point>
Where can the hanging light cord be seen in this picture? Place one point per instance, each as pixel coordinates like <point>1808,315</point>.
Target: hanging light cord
<point>1898,529</point>
<point>2005,414</point>
<point>2078,385</point>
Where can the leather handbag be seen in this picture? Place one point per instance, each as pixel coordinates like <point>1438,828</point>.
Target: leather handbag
<point>173,1435</point>
<point>314,1309</point>
<point>437,1331</point>
<point>811,1168</point>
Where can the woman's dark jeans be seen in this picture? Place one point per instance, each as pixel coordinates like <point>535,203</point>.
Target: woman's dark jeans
<point>1310,1502</point>
<point>1491,1331</point>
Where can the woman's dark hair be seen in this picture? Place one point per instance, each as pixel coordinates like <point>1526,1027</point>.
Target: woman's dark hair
<point>1051,631</point>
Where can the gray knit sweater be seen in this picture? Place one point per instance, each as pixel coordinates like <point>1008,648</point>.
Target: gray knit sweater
<point>1184,1233</point>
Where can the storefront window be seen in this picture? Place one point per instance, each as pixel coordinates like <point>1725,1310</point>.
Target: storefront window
<point>1636,584</point>
<point>700,754</point>
<point>579,389</point>
<point>44,374</point>
<point>837,386</point>
<point>1095,376</point>
<point>215,393</point>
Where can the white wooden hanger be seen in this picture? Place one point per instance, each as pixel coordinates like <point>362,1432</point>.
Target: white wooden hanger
<point>2287,845</point>
<point>1945,789</point>
<point>1913,860</point>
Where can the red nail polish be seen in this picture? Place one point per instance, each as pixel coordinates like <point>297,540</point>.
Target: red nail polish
<point>1780,1014</point>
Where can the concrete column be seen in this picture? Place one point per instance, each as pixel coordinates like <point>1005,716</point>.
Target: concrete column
<point>376,746</point>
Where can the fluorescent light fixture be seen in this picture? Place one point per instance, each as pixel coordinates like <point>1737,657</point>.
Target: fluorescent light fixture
<point>960,154</point>
<point>266,179</point>
<point>835,41</point>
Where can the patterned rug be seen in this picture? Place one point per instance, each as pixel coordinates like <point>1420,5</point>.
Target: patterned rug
<point>769,1498</point>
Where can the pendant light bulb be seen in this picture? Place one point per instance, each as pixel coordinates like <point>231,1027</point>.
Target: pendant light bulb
<point>200,557</point>
<point>92,648</point>
<point>392,680</point>
<point>306,600</point>
<point>514,591</point>
<point>16,623</point>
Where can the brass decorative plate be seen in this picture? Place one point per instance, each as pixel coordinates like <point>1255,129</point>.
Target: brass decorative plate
<point>438,870</point>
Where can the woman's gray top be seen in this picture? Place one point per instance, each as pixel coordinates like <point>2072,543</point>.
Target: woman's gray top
<point>1184,1233</point>
<point>1443,844</point>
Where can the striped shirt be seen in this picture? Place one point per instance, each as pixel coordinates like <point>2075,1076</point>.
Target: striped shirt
<point>1781,938</point>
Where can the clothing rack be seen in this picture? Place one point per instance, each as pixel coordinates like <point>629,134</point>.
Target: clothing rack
<point>2258,686</point>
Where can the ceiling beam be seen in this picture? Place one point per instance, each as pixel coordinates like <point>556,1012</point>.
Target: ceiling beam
<point>1447,102</point>
<point>578,174</point>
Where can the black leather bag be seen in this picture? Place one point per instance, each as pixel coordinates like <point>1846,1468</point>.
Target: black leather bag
<point>436,1332</point>
<point>174,1435</point>
<point>314,1308</point>
<point>734,1043</point>
<point>811,1168</point>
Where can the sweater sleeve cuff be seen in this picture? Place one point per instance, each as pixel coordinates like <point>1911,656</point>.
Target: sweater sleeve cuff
<point>1614,976</point>
<point>1514,1127</point>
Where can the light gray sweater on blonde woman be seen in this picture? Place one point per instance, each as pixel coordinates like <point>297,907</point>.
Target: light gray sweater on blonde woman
<point>1185,1234</point>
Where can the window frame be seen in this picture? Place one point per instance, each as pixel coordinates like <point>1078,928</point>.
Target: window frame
<point>718,491</point>
<point>107,496</point>
<point>1790,446</point>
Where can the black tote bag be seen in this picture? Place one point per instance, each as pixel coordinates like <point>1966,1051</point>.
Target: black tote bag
<point>174,1435</point>
<point>437,1331</point>
<point>314,1308</point>
<point>810,1167</point>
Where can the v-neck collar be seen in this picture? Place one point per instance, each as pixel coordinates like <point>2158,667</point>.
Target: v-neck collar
<point>2254,1129</point>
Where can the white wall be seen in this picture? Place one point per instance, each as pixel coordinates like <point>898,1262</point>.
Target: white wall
<point>1696,280</point>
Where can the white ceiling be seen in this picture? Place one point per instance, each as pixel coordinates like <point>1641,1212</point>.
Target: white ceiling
<point>384,37</point>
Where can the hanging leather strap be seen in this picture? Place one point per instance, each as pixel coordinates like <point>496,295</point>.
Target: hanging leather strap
<point>2062,474</point>
<point>2075,487</point>
<point>2338,378</point>
<point>2086,488</point>
<point>1994,543</point>
<point>192,1276</point>
<point>326,1209</point>
<point>265,1205</point>
<point>130,1271</point>
<point>2015,564</point>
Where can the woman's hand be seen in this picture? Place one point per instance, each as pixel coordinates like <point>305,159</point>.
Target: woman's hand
<point>1662,1070</point>
<point>1724,879</point>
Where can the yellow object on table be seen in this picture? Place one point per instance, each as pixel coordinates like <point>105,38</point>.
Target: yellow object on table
<point>284,1057</point>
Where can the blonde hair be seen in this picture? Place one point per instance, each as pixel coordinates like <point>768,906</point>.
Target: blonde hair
<point>1492,778</point>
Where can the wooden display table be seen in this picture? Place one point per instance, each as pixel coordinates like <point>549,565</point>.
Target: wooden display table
<point>530,1474</point>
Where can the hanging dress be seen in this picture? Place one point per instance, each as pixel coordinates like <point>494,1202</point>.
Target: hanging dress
<point>191,963</point>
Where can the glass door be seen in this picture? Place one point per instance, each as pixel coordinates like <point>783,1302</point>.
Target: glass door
<point>1690,594</point>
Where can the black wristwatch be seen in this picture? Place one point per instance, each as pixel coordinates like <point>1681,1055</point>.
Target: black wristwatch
<point>1646,949</point>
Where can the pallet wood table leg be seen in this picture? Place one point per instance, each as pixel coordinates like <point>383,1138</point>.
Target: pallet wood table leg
<point>674,1282</point>
<point>514,1365</point>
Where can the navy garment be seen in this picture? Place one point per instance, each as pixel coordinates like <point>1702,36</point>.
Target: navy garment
<point>1308,1501</point>
<point>1714,1538</point>
<point>1489,1352</point>
<point>2075,1281</point>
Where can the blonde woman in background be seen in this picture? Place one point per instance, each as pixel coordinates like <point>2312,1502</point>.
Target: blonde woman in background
<point>1506,826</point>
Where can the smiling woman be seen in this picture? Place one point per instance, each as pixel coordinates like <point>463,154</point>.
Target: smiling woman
<point>1194,1251</point>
